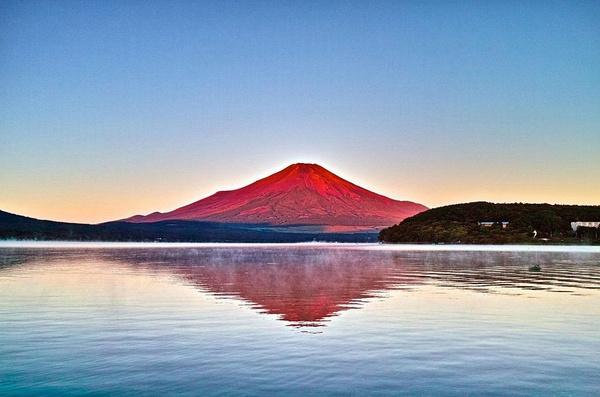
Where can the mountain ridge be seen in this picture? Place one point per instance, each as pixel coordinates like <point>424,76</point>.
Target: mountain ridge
<point>19,227</point>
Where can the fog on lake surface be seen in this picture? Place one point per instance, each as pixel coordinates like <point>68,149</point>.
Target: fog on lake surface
<point>269,319</point>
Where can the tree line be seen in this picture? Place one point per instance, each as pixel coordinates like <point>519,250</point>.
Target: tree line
<point>527,223</point>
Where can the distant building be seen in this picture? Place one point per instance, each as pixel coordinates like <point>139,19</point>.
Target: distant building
<point>490,224</point>
<point>576,225</point>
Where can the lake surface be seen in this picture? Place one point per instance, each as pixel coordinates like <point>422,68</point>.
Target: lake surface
<point>210,319</point>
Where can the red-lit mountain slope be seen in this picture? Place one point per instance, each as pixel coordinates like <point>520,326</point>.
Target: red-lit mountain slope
<point>301,194</point>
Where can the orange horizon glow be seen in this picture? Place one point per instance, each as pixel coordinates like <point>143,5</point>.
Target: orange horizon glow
<point>87,202</point>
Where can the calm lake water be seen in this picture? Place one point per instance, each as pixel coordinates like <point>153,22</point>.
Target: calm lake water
<point>108,319</point>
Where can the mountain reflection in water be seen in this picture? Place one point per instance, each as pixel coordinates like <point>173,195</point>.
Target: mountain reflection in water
<point>306,286</point>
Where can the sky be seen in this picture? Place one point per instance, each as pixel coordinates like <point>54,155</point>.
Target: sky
<point>115,108</point>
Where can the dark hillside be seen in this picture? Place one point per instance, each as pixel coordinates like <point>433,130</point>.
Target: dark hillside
<point>460,223</point>
<point>23,228</point>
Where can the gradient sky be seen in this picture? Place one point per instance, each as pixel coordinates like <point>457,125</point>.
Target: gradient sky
<point>109,109</point>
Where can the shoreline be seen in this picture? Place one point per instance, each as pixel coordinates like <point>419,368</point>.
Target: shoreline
<point>48,244</point>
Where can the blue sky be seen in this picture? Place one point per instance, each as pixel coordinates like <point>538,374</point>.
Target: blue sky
<point>108,109</point>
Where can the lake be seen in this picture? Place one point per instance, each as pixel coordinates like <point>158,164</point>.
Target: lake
<point>305,319</point>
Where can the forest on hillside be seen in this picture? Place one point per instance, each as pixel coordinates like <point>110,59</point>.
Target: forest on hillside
<point>527,223</point>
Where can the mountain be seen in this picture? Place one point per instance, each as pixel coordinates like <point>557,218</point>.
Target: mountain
<point>300,194</point>
<point>490,223</point>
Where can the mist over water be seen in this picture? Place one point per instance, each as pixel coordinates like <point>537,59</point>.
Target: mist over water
<point>210,319</point>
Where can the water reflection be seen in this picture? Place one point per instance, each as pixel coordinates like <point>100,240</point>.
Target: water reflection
<point>303,288</point>
<point>307,286</point>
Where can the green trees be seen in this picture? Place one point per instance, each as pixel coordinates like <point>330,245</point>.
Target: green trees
<point>459,224</point>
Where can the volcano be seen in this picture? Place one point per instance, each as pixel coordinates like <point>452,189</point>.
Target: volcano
<point>300,194</point>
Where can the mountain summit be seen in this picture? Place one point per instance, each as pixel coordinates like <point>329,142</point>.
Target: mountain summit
<point>300,194</point>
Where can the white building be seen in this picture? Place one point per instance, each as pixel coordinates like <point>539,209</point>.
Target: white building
<point>576,225</point>
<point>490,224</point>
